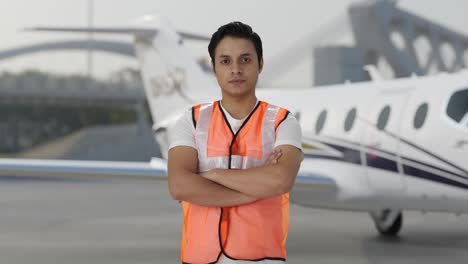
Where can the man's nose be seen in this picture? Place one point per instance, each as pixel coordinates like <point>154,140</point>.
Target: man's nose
<point>236,68</point>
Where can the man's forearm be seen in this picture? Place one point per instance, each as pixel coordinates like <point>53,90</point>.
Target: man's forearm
<point>260,182</point>
<point>198,190</point>
<point>274,178</point>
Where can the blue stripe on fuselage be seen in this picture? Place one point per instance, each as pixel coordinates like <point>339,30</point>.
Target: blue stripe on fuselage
<point>375,160</point>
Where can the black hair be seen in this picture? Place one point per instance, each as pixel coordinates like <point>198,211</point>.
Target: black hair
<point>235,29</point>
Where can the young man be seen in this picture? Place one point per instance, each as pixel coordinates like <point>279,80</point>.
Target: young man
<point>233,162</point>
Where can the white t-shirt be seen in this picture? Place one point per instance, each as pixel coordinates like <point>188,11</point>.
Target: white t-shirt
<point>183,133</point>
<point>287,133</point>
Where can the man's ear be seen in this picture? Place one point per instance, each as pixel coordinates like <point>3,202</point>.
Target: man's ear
<point>260,66</point>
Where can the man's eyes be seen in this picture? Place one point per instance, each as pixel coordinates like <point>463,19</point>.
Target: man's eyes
<point>245,59</point>
<point>242,60</point>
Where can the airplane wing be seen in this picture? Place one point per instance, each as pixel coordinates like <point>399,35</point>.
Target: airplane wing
<point>154,170</point>
<point>79,169</point>
<point>128,30</point>
<point>307,180</point>
<point>313,189</point>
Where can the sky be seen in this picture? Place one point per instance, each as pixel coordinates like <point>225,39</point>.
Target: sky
<point>279,23</point>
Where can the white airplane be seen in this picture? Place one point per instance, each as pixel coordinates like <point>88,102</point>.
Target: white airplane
<point>379,147</point>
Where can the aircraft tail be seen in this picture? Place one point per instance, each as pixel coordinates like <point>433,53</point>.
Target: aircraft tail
<point>172,78</point>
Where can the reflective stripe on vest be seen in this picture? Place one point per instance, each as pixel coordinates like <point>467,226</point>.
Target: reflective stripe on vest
<point>253,231</point>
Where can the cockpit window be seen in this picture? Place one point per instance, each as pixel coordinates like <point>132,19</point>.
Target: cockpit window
<point>457,108</point>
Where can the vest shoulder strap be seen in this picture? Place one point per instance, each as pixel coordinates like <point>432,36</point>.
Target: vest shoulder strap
<point>283,113</point>
<point>281,116</point>
<point>196,112</point>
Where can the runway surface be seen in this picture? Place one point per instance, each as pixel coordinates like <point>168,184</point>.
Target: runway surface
<point>137,222</point>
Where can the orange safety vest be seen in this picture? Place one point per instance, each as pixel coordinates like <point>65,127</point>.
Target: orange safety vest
<point>254,231</point>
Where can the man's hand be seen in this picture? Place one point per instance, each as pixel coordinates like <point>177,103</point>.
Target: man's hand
<point>274,157</point>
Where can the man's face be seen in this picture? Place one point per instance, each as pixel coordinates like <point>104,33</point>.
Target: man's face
<point>236,67</point>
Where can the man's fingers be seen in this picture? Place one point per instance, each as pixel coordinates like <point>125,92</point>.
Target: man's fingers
<point>274,156</point>
<point>269,160</point>
<point>277,156</point>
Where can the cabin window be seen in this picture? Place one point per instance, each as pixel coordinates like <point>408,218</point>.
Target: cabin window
<point>349,121</point>
<point>457,108</point>
<point>420,116</point>
<point>383,117</point>
<point>320,121</point>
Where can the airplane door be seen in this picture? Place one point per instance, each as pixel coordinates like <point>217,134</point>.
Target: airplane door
<point>381,141</point>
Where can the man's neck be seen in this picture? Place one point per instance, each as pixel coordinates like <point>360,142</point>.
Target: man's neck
<point>239,108</point>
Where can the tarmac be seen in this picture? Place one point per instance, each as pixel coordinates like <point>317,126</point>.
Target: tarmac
<point>121,222</point>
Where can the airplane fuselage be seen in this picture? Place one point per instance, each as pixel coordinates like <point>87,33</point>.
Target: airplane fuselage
<point>392,144</point>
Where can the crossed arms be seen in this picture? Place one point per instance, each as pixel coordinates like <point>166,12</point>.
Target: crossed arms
<point>223,187</point>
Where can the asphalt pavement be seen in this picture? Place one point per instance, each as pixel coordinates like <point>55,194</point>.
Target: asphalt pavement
<point>123,222</point>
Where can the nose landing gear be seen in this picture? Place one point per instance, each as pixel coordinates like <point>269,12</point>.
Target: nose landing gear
<point>388,221</point>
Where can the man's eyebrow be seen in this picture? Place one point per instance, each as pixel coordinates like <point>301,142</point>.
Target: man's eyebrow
<point>242,55</point>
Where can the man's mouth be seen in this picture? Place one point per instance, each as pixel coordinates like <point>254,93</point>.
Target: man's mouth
<point>237,81</point>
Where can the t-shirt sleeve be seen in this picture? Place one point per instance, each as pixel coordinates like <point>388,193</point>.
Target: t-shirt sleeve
<point>182,133</point>
<point>289,133</point>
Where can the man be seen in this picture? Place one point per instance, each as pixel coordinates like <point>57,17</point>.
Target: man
<point>233,162</point>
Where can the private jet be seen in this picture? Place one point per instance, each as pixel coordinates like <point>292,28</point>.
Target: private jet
<point>381,147</point>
